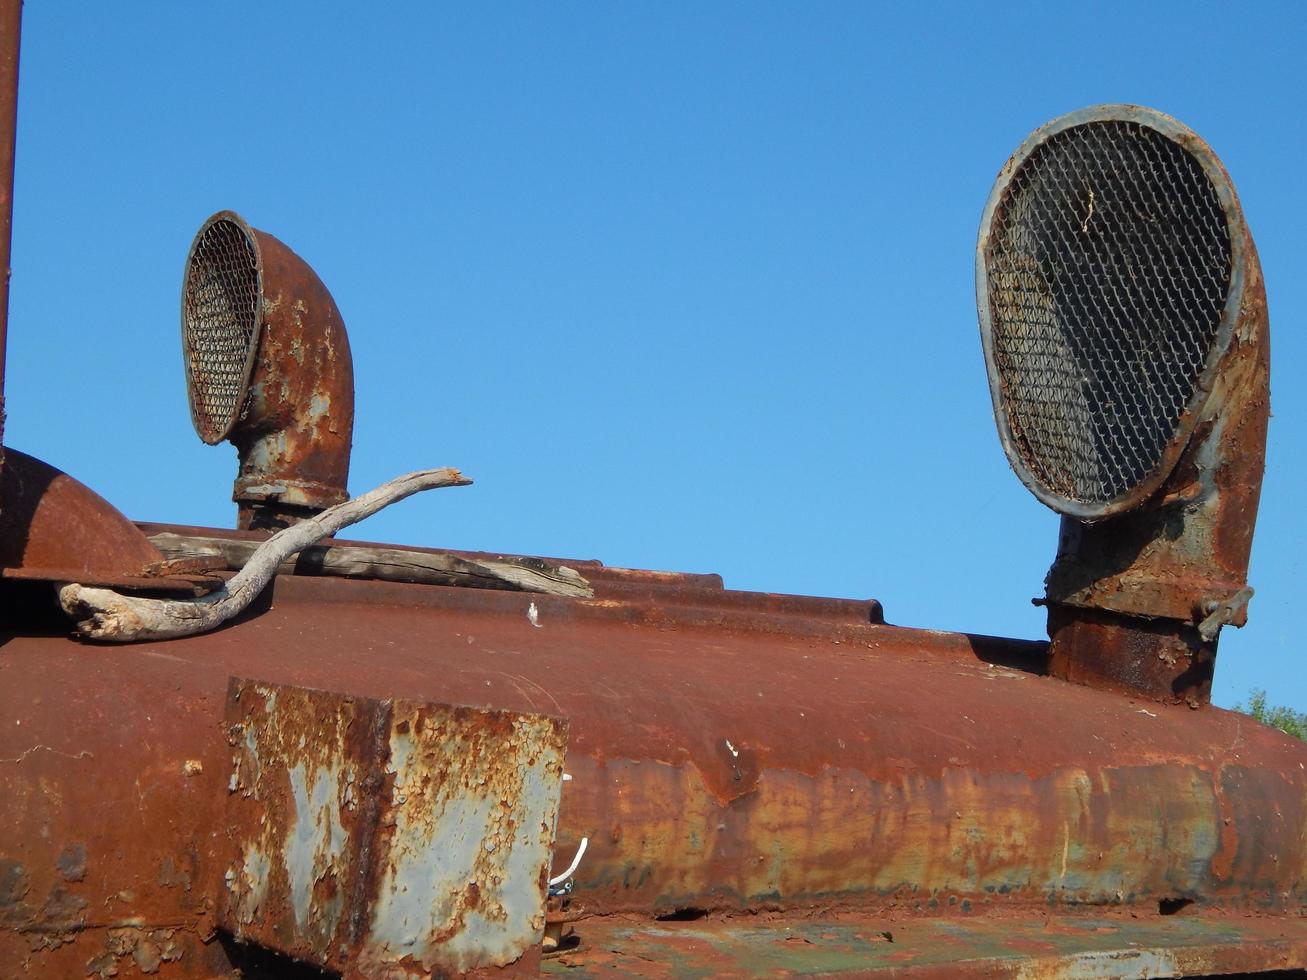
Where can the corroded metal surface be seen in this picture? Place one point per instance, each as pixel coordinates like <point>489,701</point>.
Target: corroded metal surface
<point>1162,660</point>
<point>301,397</point>
<point>294,421</point>
<point>386,836</point>
<point>724,755</point>
<point>304,784</point>
<point>1185,554</point>
<point>1147,575</point>
<point>55,528</point>
<point>961,948</point>
<point>1191,546</point>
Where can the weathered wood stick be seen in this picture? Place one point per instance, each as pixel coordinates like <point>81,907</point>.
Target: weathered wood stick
<point>117,618</point>
<point>390,564</point>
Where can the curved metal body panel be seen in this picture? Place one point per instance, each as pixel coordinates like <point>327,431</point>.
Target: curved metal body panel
<point>297,432</point>
<point>728,751</point>
<point>58,528</point>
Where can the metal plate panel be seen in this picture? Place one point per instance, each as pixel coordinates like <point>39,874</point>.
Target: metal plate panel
<point>994,948</point>
<point>388,835</point>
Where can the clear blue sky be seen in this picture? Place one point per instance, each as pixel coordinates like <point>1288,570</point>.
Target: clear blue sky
<point>680,286</point>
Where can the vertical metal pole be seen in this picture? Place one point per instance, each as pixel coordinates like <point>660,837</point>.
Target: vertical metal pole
<point>11,21</point>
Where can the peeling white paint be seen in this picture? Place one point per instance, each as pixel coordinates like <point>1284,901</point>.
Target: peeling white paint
<point>460,844</point>
<point>250,884</point>
<point>1099,965</point>
<point>473,834</point>
<point>315,846</point>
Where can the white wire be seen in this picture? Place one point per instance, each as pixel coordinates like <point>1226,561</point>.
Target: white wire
<point>571,868</point>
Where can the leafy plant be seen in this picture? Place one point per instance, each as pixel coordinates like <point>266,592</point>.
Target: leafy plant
<point>1277,716</point>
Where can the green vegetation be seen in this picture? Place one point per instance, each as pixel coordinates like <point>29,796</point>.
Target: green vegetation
<point>1277,716</point>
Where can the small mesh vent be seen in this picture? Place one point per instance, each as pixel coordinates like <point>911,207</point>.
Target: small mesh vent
<point>1108,267</point>
<point>220,311</point>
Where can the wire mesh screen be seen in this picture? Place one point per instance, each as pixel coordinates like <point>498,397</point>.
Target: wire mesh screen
<point>220,310</point>
<point>1108,265</point>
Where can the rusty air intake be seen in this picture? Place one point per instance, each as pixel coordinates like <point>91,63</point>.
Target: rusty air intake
<point>268,367</point>
<point>1123,319</point>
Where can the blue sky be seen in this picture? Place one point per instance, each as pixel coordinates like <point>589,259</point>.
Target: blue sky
<point>684,287</point>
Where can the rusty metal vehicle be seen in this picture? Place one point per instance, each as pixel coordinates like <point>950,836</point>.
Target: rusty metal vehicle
<point>270,752</point>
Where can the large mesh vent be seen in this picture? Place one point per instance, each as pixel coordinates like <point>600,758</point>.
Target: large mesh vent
<point>220,316</point>
<point>1108,265</point>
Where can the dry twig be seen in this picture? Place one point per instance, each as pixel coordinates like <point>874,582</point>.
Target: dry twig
<point>106,615</point>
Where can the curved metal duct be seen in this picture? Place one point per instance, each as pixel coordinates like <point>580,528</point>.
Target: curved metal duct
<point>268,367</point>
<point>1123,320</point>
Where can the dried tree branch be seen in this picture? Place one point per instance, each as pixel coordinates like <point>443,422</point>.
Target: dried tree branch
<point>106,615</point>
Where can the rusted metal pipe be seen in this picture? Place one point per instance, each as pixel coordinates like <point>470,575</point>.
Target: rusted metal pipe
<point>1125,326</point>
<point>268,367</point>
<point>1168,575</point>
<point>11,21</point>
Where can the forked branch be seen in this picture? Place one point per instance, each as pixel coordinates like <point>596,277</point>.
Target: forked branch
<point>103,614</point>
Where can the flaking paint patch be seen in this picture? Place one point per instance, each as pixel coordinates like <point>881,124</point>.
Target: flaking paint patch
<point>1108,965</point>
<point>252,754</point>
<point>1069,836</point>
<point>432,858</point>
<point>319,405</point>
<point>263,453</point>
<point>431,824</point>
<point>315,845</point>
<point>1025,947</point>
<point>473,832</point>
<point>539,794</point>
<point>292,873</point>
<point>250,883</point>
<point>148,949</point>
